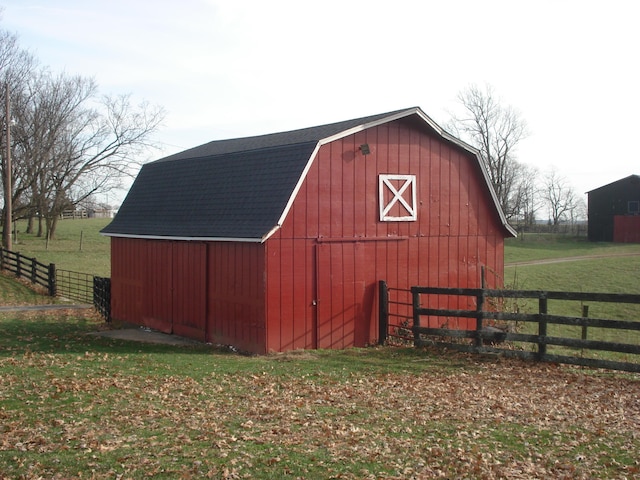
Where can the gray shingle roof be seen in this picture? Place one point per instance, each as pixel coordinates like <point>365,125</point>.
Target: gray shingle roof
<point>231,189</point>
<point>237,195</point>
<point>304,135</point>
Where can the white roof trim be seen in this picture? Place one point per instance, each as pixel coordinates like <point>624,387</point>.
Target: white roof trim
<point>294,194</point>
<point>188,239</point>
<point>365,126</point>
<point>447,136</point>
<point>277,227</point>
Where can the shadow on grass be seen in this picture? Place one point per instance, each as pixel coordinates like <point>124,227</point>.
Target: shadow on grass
<point>69,335</point>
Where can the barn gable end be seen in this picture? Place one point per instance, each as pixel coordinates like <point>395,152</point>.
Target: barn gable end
<point>289,233</point>
<point>614,211</point>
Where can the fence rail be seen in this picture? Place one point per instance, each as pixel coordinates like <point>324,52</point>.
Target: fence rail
<point>396,315</point>
<point>76,286</point>
<point>29,268</point>
<point>485,338</point>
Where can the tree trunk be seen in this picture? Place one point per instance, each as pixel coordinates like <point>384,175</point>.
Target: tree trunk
<point>52,223</point>
<point>39,226</point>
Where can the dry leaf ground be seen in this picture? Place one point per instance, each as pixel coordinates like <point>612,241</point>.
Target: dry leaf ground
<point>79,406</point>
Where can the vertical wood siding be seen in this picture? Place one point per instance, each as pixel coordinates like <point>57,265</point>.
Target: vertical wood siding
<point>335,224</point>
<point>626,228</point>
<point>235,295</point>
<point>189,289</point>
<point>127,283</point>
<point>157,293</point>
<point>160,284</point>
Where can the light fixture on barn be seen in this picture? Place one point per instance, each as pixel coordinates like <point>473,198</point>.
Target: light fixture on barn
<point>364,148</point>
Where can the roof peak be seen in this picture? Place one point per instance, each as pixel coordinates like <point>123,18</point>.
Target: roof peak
<point>289,137</point>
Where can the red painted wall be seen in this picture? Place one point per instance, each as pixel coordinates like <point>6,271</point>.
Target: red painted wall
<point>324,263</point>
<point>211,291</point>
<point>127,285</point>
<point>626,228</point>
<point>160,284</point>
<point>235,295</point>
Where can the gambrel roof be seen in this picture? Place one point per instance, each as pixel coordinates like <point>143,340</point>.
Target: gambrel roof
<point>239,189</point>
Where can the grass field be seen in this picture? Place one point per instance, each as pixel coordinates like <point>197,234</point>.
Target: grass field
<point>75,405</point>
<point>78,246</point>
<point>530,247</point>
<point>602,267</point>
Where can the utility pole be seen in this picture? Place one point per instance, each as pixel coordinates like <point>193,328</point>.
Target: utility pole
<point>6,240</point>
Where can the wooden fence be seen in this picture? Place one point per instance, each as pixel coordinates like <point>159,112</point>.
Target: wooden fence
<point>77,286</point>
<point>29,268</point>
<point>492,335</point>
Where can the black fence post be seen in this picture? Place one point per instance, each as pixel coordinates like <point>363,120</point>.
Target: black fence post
<point>1,258</point>
<point>383,312</point>
<point>33,270</point>
<point>102,296</point>
<point>18,265</point>
<point>479,315</point>
<point>416,317</point>
<point>53,289</point>
<point>542,326</point>
<point>585,314</point>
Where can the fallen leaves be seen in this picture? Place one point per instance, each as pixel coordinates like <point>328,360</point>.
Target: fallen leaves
<point>61,412</point>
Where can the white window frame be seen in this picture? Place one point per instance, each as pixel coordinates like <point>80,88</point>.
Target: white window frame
<point>397,196</point>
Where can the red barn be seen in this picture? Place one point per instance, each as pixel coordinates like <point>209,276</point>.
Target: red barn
<point>277,242</point>
<point>614,211</point>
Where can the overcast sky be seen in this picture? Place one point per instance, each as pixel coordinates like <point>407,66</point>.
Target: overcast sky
<point>232,68</point>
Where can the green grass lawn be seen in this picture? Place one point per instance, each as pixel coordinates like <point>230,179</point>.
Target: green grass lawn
<point>78,246</point>
<point>13,292</point>
<point>75,405</point>
<point>615,274</point>
<point>531,246</point>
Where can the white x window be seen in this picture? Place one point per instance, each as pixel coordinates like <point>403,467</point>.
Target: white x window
<point>397,198</point>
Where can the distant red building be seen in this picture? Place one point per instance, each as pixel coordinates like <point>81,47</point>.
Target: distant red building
<point>614,211</point>
<point>277,242</point>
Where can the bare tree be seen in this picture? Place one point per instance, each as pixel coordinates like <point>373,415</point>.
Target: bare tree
<point>74,145</point>
<point>47,106</point>
<point>16,64</point>
<point>525,198</point>
<point>560,197</point>
<point>99,151</point>
<point>495,131</point>
<point>68,143</point>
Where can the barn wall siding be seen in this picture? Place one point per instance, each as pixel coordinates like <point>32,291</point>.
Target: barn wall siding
<point>157,294</point>
<point>189,289</point>
<point>127,283</point>
<point>160,284</point>
<point>335,222</point>
<point>235,295</point>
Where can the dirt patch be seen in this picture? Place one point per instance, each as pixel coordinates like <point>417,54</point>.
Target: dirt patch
<point>145,335</point>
